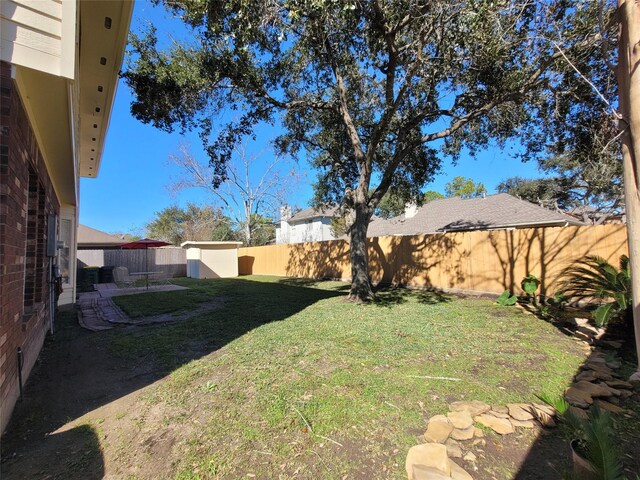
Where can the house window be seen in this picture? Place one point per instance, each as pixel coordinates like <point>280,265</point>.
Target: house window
<point>35,245</point>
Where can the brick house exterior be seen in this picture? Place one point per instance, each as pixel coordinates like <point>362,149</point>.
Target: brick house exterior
<point>27,198</point>
<point>54,114</point>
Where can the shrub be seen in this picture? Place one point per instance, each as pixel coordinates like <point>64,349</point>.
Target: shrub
<point>595,278</point>
<point>506,299</point>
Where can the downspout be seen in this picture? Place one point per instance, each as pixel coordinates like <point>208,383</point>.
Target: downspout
<point>20,364</point>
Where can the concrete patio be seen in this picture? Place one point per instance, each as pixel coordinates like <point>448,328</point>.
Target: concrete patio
<point>97,311</point>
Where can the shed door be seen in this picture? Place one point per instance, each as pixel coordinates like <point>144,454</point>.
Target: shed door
<point>193,270</point>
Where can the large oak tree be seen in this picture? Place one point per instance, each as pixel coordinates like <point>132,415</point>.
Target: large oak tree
<point>376,92</point>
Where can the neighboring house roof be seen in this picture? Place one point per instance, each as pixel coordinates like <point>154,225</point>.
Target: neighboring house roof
<point>313,212</point>
<point>90,237</point>
<point>483,213</point>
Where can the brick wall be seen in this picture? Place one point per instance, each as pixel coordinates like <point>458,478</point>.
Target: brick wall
<point>26,199</point>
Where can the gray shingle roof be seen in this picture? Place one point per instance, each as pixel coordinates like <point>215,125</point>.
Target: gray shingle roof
<point>91,236</point>
<point>455,214</point>
<point>313,212</point>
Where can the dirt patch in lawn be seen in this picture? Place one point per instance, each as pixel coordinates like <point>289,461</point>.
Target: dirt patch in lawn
<point>216,304</point>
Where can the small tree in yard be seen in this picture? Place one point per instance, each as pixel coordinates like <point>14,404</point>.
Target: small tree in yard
<point>376,93</point>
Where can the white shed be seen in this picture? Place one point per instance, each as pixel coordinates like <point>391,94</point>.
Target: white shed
<point>212,259</point>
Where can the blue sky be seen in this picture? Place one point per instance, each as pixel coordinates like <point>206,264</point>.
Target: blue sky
<point>134,173</point>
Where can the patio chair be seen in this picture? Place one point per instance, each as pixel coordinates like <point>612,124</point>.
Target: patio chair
<point>121,277</point>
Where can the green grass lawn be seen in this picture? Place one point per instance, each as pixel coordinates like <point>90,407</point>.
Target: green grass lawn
<point>285,379</point>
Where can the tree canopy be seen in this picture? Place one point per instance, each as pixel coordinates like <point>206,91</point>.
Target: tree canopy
<point>464,187</point>
<point>176,225</point>
<point>575,182</point>
<point>376,93</point>
<point>393,205</point>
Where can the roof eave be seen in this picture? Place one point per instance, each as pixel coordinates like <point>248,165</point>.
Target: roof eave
<point>102,55</point>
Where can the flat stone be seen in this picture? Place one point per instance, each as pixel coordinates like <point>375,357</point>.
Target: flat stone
<point>604,405</point>
<point>438,430</point>
<point>601,375</point>
<point>429,455</point>
<point>466,434</point>
<point>578,397</point>
<point>453,449</point>
<point>478,433</point>
<point>498,414</point>
<point>587,375</point>
<point>520,411</point>
<point>615,392</point>
<point>474,407</point>
<point>596,359</point>
<point>420,472</point>
<point>499,408</point>
<point>580,321</point>
<point>461,419</point>
<point>598,368</point>
<point>582,337</point>
<point>523,423</point>
<point>479,441</point>
<point>579,412</point>
<point>619,384</point>
<point>544,408</point>
<point>469,457</point>
<point>593,389</point>
<point>459,473</point>
<point>438,418</point>
<point>499,425</point>
<point>544,414</point>
<point>595,332</point>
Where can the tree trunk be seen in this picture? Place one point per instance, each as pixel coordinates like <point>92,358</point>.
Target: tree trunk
<point>629,104</point>
<point>361,291</point>
<point>247,225</point>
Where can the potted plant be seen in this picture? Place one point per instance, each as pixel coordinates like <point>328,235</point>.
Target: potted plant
<point>591,441</point>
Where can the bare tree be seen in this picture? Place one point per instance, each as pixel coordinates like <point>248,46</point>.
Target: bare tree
<point>250,190</point>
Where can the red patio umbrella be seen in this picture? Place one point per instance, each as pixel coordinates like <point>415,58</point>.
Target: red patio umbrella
<point>146,244</point>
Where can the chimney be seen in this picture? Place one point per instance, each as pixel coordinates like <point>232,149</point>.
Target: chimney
<point>410,210</point>
<point>285,213</point>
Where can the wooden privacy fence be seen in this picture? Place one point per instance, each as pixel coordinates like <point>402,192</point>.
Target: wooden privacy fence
<point>170,260</point>
<point>483,262</point>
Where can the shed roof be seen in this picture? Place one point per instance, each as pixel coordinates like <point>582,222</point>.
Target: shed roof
<point>209,244</point>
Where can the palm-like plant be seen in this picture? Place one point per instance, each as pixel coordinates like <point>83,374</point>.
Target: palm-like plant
<point>593,437</point>
<point>594,277</point>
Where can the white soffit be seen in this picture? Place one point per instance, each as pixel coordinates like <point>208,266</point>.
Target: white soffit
<point>104,27</point>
